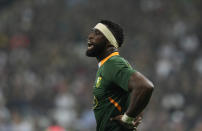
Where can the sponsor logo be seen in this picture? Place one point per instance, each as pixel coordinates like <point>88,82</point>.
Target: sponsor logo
<point>95,102</point>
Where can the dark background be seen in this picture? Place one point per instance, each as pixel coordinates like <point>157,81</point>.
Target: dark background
<point>45,75</point>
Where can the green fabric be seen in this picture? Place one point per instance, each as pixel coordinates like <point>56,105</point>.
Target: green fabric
<point>111,81</point>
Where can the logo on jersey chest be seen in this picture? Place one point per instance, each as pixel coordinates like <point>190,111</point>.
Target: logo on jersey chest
<point>95,102</point>
<point>98,82</point>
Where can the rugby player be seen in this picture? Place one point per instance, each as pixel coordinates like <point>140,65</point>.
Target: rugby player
<point>120,92</point>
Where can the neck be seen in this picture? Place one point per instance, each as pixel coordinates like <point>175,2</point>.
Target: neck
<point>106,53</point>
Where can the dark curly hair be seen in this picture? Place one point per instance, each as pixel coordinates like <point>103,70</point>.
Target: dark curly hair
<point>116,30</point>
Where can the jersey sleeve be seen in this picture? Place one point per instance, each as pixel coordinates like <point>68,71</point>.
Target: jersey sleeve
<point>119,72</point>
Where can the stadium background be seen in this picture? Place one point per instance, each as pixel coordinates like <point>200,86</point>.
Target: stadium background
<point>45,75</point>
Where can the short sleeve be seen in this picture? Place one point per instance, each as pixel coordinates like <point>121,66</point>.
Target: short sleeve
<point>119,72</point>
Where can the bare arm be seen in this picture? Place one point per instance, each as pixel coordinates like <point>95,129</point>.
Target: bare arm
<point>141,90</point>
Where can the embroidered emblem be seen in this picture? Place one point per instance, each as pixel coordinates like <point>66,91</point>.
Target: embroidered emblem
<point>98,82</point>
<point>95,102</point>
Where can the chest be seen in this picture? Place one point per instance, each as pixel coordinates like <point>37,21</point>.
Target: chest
<point>102,85</point>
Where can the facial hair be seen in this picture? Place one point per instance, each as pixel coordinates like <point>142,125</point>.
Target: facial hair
<point>97,49</point>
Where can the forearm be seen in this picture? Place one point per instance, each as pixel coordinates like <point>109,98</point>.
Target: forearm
<point>140,97</point>
<point>141,90</point>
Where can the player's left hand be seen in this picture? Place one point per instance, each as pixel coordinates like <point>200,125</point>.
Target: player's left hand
<point>132,125</point>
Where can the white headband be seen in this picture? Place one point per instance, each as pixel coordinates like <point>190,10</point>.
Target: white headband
<point>107,33</point>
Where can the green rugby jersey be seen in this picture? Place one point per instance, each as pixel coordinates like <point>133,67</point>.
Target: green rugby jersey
<point>111,96</point>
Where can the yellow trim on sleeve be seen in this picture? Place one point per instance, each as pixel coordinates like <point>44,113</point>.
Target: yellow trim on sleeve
<point>115,103</point>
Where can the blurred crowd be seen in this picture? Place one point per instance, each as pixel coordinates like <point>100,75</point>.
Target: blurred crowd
<point>46,80</point>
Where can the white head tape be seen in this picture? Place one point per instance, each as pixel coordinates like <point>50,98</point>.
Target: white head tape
<point>107,33</point>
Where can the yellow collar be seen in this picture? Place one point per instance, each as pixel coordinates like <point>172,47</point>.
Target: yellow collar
<point>105,59</point>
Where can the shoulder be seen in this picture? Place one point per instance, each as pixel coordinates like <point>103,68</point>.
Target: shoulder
<point>116,61</point>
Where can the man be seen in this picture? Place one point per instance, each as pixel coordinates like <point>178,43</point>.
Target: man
<point>120,92</point>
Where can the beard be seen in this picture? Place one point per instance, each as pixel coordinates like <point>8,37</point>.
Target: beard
<point>96,49</point>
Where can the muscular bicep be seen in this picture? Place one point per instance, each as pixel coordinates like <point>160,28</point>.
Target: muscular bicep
<point>138,80</point>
